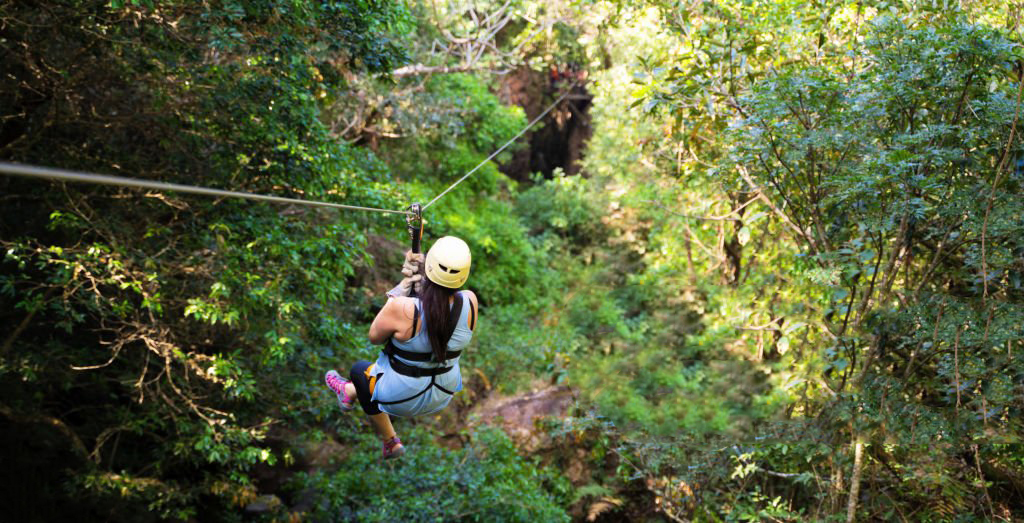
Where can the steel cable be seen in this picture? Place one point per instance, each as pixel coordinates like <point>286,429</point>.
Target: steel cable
<point>102,179</point>
<point>502,148</point>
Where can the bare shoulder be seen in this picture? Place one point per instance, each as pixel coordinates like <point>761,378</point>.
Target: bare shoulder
<point>401,307</point>
<point>474,306</point>
<point>393,317</point>
<point>472,297</point>
<point>471,319</point>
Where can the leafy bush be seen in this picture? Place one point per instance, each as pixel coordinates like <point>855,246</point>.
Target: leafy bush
<point>484,481</point>
<point>564,206</point>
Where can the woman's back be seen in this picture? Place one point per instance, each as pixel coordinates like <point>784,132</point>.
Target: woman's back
<point>403,386</point>
<point>420,341</point>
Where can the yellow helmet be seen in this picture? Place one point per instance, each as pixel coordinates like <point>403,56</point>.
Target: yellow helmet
<point>447,262</point>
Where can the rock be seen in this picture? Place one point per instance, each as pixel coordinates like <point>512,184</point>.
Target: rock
<point>263,504</point>
<point>518,416</point>
<point>321,454</point>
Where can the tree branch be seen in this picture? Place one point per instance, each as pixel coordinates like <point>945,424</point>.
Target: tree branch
<point>24,323</point>
<point>76,442</point>
<point>858,465</point>
<point>995,184</point>
<point>800,232</point>
<point>420,69</point>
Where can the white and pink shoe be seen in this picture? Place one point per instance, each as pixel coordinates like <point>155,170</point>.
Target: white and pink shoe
<point>337,384</point>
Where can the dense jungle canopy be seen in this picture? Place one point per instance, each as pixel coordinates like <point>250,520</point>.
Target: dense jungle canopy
<point>762,261</point>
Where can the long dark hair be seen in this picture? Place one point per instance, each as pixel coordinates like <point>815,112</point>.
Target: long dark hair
<point>440,322</point>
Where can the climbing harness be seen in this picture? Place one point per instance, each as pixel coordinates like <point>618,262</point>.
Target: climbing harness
<point>393,353</point>
<point>413,213</point>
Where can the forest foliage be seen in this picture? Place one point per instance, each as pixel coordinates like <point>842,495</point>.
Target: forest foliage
<point>787,284</point>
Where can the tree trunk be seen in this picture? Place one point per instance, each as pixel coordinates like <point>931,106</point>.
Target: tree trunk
<point>858,460</point>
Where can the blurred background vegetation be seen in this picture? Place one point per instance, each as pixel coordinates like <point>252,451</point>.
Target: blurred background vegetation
<point>771,253</point>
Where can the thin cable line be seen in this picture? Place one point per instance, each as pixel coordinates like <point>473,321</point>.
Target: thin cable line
<point>502,148</point>
<point>102,179</point>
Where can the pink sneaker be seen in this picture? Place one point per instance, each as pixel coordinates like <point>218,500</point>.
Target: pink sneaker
<point>393,448</point>
<point>337,384</point>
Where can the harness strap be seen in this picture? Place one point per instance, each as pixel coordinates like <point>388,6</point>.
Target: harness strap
<point>444,390</point>
<point>417,372</point>
<point>415,321</point>
<point>410,398</point>
<point>413,371</point>
<point>391,350</point>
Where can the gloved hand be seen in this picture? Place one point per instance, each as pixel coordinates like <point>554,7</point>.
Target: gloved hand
<point>412,264</point>
<point>411,271</point>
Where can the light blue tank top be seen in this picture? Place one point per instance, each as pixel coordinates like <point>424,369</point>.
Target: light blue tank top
<point>392,386</point>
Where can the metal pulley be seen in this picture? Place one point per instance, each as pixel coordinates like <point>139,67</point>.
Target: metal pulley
<point>415,223</point>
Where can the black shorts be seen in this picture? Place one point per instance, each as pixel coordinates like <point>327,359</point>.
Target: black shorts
<point>362,384</point>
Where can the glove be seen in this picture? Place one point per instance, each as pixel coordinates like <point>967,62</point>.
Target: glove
<point>412,264</point>
<point>411,271</point>
<point>406,285</point>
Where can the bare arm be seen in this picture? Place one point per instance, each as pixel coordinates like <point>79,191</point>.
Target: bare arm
<point>475,311</point>
<point>394,318</point>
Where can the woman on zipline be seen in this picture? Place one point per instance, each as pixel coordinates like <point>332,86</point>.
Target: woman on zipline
<point>417,372</point>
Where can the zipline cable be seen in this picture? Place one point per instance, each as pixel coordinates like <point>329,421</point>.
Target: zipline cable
<point>502,148</point>
<point>102,179</point>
